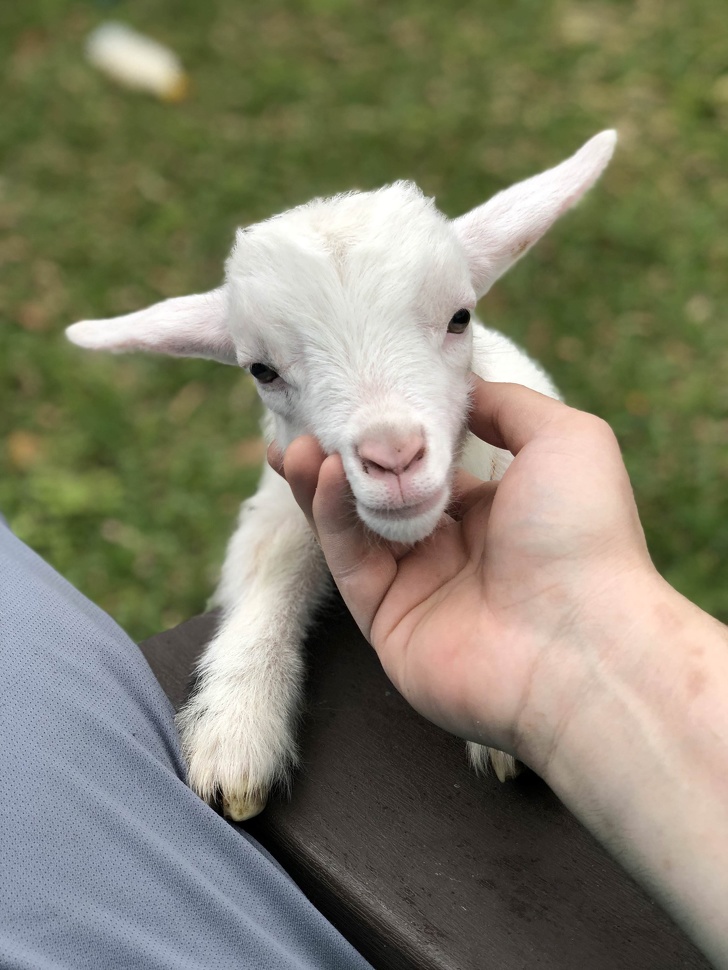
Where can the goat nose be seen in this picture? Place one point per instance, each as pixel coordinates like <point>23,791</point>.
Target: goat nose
<point>391,456</point>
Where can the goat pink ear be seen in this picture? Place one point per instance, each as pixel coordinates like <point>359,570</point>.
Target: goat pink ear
<point>186,326</point>
<point>498,233</point>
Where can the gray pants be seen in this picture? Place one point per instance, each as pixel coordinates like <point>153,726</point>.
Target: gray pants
<point>107,859</point>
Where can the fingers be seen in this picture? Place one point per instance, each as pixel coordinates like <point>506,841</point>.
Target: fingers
<point>363,568</point>
<point>510,415</point>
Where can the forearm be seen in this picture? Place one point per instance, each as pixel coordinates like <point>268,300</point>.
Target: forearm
<point>643,762</point>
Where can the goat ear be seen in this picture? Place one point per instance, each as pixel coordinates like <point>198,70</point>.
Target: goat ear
<point>498,233</point>
<point>186,326</point>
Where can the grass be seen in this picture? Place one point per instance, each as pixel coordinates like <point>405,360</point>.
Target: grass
<point>126,472</point>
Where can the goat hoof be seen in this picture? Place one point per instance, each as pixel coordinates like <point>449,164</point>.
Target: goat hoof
<point>238,808</point>
<point>504,766</point>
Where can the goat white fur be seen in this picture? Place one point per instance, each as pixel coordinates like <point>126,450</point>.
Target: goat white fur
<point>347,309</point>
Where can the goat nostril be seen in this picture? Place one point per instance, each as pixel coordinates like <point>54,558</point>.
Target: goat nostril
<point>381,457</point>
<point>370,466</point>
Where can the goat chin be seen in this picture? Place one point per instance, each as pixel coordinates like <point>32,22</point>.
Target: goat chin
<point>401,525</point>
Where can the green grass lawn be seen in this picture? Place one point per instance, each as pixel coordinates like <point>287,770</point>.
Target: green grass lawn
<point>126,472</point>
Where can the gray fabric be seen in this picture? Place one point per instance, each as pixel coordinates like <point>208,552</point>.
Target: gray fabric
<point>107,858</point>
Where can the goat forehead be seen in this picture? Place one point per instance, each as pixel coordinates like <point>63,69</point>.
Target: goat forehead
<point>389,378</point>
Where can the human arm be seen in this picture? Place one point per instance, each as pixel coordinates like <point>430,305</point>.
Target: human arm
<point>534,621</point>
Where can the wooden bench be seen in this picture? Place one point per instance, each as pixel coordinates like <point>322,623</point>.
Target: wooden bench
<point>419,863</point>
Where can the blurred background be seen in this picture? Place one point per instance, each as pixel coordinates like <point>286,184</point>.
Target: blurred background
<point>126,472</point>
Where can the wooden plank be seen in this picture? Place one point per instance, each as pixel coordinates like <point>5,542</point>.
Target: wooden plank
<point>419,863</point>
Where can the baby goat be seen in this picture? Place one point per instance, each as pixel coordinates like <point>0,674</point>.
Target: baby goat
<point>354,316</point>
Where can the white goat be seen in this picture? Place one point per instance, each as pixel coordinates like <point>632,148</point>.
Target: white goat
<point>352,315</point>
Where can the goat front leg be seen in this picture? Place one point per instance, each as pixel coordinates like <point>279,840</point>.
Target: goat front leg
<point>237,727</point>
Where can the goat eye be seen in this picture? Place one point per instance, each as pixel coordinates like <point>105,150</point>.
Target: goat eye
<point>459,322</point>
<point>263,374</point>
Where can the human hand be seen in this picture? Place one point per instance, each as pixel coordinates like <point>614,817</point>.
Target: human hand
<point>492,626</point>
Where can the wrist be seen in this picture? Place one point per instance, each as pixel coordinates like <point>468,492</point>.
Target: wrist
<point>613,644</point>
<point>644,666</point>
